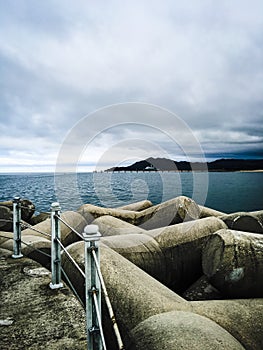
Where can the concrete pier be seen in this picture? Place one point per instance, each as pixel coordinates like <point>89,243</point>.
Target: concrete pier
<point>32,316</point>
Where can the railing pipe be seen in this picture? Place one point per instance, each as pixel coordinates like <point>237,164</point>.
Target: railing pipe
<point>91,237</point>
<point>55,248</point>
<point>98,313</point>
<point>17,228</point>
<point>108,303</point>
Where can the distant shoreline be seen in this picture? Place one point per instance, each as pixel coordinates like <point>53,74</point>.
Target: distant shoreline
<point>169,165</point>
<point>128,171</point>
<point>182,171</point>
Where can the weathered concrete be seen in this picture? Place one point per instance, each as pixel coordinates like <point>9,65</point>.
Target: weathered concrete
<point>242,318</point>
<point>182,246</point>
<point>143,251</point>
<point>33,242</point>
<point>134,294</point>
<point>6,216</point>
<point>32,246</point>
<point>27,208</point>
<point>36,219</point>
<point>245,221</point>
<point>5,236</point>
<point>32,316</point>
<point>181,330</point>
<point>142,307</point>
<point>111,226</point>
<point>150,315</point>
<point>171,212</point>
<point>233,262</point>
<point>137,206</point>
<point>172,254</point>
<point>258,214</point>
<point>90,212</point>
<point>75,220</point>
<point>176,210</point>
<point>206,212</point>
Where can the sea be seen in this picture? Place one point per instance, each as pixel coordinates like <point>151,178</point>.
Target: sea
<point>224,191</point>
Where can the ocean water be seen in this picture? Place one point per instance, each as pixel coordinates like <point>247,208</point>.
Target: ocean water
<point>223,191</point>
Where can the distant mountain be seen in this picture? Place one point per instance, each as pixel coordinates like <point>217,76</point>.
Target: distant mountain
<point>163,164</point>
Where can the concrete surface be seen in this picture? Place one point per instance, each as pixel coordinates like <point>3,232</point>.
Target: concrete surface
<point>32,316</point>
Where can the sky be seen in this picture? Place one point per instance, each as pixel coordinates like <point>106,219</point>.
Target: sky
<point>106,83</point>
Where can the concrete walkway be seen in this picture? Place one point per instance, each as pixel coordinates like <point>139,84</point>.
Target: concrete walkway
<point>32,316</point>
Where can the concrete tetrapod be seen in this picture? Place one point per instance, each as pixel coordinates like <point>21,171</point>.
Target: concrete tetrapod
<point>172,254</point>
<point>143,251</point>
<point>182,246</point>
<point>73,219</point>
<point>111,226</point>
<point>242,318</point>
<point>258,214</point>
<point>27,208</point>
<point>181,330</point>
<point>245,221</point>
<point>137,299</point>
<point>5,236</point>
<point>233,262</point>
<point>6,218</point>
<point>33,243</point>
<point>137,206</point>
<point>206,212</point>
<point>32,246</point>
<point>171,212</point>
<point>176,210</point>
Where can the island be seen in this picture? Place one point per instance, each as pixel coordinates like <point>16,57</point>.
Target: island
<point>164,164</point>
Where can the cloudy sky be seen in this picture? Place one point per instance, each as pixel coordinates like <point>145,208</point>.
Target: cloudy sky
<point>116,81</point>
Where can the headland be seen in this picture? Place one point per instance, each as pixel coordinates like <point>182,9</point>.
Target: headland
<point>164,164</point>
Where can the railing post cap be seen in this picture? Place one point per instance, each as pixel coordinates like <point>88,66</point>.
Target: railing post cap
<point>55,205</point>
<point>91,229</point>
<point>91,232</point>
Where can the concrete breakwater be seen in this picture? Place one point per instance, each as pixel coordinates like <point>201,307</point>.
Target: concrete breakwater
<point>152,255</point>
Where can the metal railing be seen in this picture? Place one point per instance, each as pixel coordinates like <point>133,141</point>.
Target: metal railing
<point>91,237</point>
<point>94,282</point>
<point>55,248</point>
<point>17,228</point>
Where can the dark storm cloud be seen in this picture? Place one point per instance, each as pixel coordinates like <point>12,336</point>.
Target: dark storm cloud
<point>61,60</point>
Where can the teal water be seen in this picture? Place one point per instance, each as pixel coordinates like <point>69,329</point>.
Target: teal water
<point>224,191</point>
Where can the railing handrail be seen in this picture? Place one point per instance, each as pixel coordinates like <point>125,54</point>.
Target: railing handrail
<point>70,257</point>
<point>71,228</point>
<point>27,225</point>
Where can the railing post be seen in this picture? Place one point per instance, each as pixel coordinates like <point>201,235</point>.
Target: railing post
<point>17,228</point>
<point>91,237</point>
<point>55,248</point>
